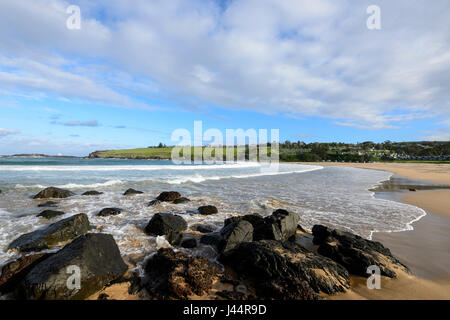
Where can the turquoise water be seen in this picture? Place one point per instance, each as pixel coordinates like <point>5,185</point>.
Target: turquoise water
<point>334,196</point>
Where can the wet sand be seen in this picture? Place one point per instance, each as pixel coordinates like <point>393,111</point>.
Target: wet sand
<point>425,250</point>
<point>430,172</point>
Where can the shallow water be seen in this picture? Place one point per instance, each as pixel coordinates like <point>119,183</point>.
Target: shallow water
<point>334,196</point>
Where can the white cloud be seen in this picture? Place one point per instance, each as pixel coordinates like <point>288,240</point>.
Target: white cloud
<point>292,57</point>
<point>7,132</point>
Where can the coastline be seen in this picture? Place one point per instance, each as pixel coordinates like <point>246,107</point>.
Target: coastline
<point>425,249</point>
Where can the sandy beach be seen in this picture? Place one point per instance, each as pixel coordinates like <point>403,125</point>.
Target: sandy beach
<point>425,250</point>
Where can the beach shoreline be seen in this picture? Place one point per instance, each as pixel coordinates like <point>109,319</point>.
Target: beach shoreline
<point>425,249</point>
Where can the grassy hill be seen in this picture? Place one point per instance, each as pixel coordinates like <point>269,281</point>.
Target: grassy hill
<point>138,153</point>
<point>159,153</point>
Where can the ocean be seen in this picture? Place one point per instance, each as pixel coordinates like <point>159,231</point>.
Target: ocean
<point>335,196</point>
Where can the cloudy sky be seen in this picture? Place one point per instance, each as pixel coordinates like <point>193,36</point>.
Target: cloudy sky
<point>137,70</point>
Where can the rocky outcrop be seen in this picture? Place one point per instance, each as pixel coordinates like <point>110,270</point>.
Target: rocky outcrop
<point>280,226</point>
<point>229,236</point>
<point>61,231</point>
<point>14,272</point>
<point>49,214</point>
<point>175,275</point>
<point>356,254</point>
<point>131,192</point>
<point>235,233</point>
<point>168,196</point>
<point>181,200</point>
<point>92,193</point>
<point>109,212</point>
<point>53,192</point>
<point>166,224</point>
<point>96,257</point>
<point>207,210</point>
<point>278,270</point>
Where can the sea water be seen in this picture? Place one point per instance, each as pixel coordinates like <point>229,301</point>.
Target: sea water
<point>334,196</point>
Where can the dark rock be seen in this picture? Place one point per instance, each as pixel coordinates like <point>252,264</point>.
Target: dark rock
<point>109,212</point>
<point>92,193</point>
<point>166,224</point>
<point>167,196</point>
<point>181,200</point>
<point>189,243</point>
<point>235,233</point>
<point>255,219</point>
<point>98,259</point>
<point>413,190</point>
<point>211,239</point>
<point>53,192</point>
<point>207,210</point>
<point>48,214</point>
<point>15,271</point>
<point>320,233</point>
<point>131,192</point>
<point>280,226</point>
<point>285,270</point>
<point>355,253</point>
<point>154,203</point>
<point>63,230</point>
<point>204,228</point>
<point>48,204</point>
<point>175,275</point>
<point>102,296</point>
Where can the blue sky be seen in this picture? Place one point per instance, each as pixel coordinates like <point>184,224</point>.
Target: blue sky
<point>134,73</point>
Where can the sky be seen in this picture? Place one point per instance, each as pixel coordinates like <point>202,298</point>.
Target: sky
<point>135,71</point>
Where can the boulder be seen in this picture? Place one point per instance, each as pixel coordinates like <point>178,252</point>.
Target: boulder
<point>95,255</point>
<point>168,196</point>
<point>14,272</point>
<point>235,233</point>
<point>63,230</point>
<point>280,226</point>
<point>207,210</point>
<point>181,200</point>
<point>285,270</point>
<point>48,214</point>
<point>153,203</point>
<point>109,212</point>
<point>176,275</point>
<point>255,219</point>
<point>211,239</point>
<point>132,192</point>
<point>48,204</point>
<point>92,193</point>
<point>53,192</point>
<point>356,254</point>
<point>168,225</point>
<point>189,243</point>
